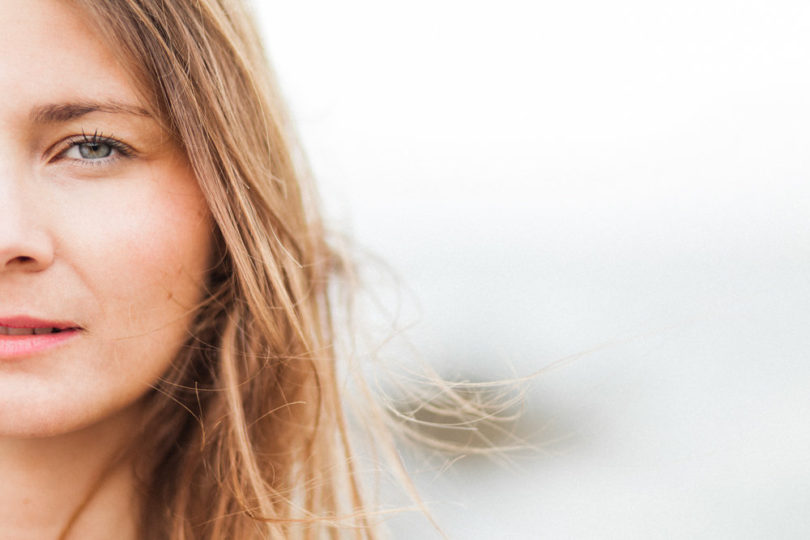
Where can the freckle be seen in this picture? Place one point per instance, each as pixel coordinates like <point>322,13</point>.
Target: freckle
<point>170,296</point>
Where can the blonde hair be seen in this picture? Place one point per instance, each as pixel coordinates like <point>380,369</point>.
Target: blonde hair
<point>245,435</point>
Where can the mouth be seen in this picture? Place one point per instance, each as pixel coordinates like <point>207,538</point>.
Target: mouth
<point>13,331</point>
<point>25,336</point>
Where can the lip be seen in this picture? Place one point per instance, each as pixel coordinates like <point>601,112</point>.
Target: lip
<point>17,346</point>
<point>23,321</point>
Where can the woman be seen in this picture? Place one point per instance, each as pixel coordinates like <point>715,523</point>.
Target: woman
<point>166,351</point>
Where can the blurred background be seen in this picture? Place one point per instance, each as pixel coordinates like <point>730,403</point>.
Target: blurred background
<point>613,195</point>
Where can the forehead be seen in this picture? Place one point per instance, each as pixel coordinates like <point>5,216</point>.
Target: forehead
<point>51,52</point>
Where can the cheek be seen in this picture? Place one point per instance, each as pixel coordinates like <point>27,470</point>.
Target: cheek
<point>143,252</point>
<point>155,264</point>
<point>155,257</point>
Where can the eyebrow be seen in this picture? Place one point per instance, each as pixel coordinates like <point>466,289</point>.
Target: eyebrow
<point>55,113</point>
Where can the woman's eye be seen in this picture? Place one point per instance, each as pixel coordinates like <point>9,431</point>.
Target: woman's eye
<point>93,150</point>
<point>89,150</point>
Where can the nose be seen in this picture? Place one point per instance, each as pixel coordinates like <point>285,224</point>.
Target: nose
<point>25,246</point>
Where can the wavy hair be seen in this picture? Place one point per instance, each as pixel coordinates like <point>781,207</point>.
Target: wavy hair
<point>245,435</point>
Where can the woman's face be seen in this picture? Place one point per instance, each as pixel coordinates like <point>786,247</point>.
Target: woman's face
<point>104,232</point>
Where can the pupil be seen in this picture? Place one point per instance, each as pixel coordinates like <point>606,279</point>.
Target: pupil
<point>95,150</point>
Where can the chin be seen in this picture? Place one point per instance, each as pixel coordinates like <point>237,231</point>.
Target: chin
<point>49,416</point>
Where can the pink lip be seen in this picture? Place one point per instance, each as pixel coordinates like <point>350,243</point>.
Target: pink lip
<point>25,345</point>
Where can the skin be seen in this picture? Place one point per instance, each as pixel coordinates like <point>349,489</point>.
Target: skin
<point>117,244</point>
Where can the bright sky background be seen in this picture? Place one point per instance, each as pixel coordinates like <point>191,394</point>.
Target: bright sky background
<point>552,177</point>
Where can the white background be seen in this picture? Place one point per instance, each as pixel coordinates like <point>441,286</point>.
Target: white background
<point>628,179</point>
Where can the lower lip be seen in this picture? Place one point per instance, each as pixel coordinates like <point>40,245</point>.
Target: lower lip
<point>27,345</point>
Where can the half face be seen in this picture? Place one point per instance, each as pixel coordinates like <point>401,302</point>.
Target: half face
<point>104,233</point>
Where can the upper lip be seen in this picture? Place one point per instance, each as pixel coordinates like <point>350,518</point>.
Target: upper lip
<point>24,321</point>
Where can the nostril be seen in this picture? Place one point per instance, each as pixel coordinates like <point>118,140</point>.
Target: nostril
<point>25,252</point>
<point>24,263</point>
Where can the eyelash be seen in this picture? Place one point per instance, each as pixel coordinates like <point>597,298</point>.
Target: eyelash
<point>122,150</point>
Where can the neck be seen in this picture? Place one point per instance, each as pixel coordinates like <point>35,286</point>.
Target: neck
<point>68,486</point>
